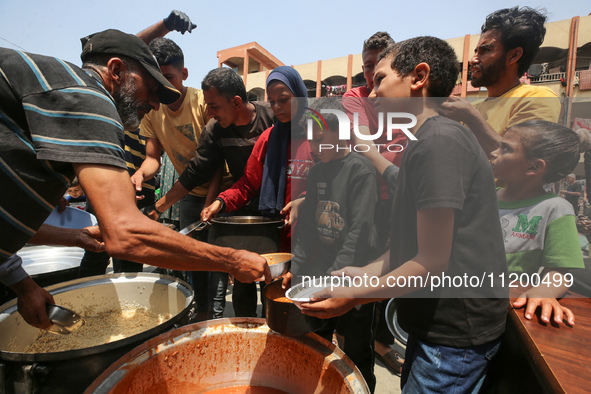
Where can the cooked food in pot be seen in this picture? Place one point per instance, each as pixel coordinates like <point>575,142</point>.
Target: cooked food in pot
<point>100,328</point>
<point>282,299</point>
<point>246,390</point>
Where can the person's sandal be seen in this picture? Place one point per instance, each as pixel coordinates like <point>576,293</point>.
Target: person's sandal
<point>392,360</point>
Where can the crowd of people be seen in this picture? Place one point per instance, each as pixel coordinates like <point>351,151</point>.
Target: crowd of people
<point>464,196</point>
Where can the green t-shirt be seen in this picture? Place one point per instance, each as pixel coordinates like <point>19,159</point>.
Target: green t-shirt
<point>540,232</point>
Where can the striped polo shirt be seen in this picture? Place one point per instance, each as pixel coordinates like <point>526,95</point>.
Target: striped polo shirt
<point>135,154</point>
<point>52,114</point>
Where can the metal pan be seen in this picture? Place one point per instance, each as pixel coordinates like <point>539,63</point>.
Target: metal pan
<point>279,263</point>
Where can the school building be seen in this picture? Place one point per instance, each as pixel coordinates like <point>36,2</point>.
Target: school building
<point>563,64</point>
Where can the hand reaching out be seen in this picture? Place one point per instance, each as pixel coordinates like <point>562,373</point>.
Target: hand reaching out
<point>211,211</point>
<point>179,21</point>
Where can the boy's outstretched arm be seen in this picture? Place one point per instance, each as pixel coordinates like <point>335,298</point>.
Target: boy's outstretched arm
<point>177,20</point>
<point>545,296</point>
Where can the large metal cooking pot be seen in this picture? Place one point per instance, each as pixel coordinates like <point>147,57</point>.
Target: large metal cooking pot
<point>48,265</point>
<point>258,234</point>
<point>231,352</point>
<point>72,371</point>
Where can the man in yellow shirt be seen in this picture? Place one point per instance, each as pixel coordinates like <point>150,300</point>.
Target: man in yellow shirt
<point>176,129</point>
<point>509,41</point>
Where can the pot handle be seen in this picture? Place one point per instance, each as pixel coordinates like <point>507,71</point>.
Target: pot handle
<point>201,226</point>
<point>197,226</point>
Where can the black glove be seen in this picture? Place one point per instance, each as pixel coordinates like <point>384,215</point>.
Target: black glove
<point>179,21</point>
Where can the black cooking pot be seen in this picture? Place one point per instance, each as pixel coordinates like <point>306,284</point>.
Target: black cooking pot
<point>257,234</point>
<point>285,317</point>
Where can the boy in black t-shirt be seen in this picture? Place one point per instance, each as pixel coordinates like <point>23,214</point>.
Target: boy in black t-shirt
<point>336,228</point>
<point>445,223</point>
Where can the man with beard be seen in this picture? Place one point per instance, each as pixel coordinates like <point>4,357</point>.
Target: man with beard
<point>58,121</point>
<point>229,137</point>
<point>509,41</point>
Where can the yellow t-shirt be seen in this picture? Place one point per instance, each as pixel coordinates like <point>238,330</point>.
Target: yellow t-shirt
<point>523,102</point>
<point>179,131</point>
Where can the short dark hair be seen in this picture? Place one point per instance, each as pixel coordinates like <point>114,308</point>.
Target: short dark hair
<point>74,182</point>
<point>559,146</point>
<point>167,52</point>
<point>519,27</point>
<point>438,54</point>
<point>380,40</point>
<point>226,81</point>
<point>332,121</point>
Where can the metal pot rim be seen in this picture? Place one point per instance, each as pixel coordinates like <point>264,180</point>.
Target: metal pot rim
<point>244,220</point>
<point>10,307</point>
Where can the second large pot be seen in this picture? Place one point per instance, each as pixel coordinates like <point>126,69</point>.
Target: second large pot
<point>257,234</point>
<point>48,265</point>
<point>226,353</point>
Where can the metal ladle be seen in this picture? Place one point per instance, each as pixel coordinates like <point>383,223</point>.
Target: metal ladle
<point>64,320</point>
<point>195,226</point>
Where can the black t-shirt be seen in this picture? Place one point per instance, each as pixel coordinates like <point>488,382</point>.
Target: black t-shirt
<point>446,168</point>
<point>336,222</point>
<point>233,144</point>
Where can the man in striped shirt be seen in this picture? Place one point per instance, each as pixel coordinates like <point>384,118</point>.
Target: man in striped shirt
<point>58,121</point>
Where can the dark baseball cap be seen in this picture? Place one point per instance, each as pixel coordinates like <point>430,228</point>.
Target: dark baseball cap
<point>115,42</point>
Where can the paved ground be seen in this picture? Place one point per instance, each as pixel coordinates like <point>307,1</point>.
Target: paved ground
<point>387,382</point>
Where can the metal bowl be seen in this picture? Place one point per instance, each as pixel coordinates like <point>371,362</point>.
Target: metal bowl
<point>64,320</point>
<point>279,263</point>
